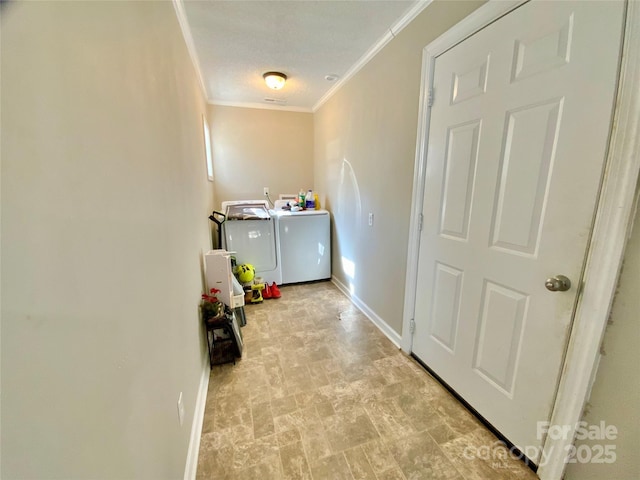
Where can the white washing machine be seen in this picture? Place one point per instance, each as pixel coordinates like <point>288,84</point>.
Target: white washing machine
<point>305,245</point>
<point>251,235</point>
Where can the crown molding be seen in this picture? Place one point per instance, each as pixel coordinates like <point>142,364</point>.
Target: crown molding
<point>396,28</point>
<point>188,40</point>
<point>260,106</point>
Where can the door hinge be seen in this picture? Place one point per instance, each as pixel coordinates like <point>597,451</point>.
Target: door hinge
<point>420,221</point>
<point>412,325</point>
<point>430,98</point>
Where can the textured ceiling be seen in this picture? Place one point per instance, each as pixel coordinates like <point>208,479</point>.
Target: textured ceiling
<point>235,42</point>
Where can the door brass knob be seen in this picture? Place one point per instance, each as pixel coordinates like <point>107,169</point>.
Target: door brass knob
<point>558,283</point>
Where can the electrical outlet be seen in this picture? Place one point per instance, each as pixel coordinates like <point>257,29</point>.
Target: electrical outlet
<point>180,409</point>
<point>371,219</point>
<point>266,191</point>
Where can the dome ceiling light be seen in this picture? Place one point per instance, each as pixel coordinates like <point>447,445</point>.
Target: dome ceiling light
<point>274,80</point>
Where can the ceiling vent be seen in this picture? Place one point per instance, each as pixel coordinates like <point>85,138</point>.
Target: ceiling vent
<point>276,101</point>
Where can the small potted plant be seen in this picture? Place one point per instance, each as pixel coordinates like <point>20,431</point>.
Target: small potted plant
<point>211,308</point>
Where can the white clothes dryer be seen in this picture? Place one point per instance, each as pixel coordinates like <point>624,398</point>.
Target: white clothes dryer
<point>251,235</point>
<point>305,245</point>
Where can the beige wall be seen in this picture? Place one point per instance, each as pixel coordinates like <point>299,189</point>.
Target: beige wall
<point>616,392</point>
<point>365,139</point>
<point>253,149</point>
<point>104,217</point>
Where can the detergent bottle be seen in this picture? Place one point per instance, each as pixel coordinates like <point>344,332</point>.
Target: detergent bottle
<point>309,202</point>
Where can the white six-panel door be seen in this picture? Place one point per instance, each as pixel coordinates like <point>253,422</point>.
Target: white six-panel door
<point>518,135</point>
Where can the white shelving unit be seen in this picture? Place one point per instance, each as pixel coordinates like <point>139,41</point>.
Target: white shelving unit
<point>219,275</point>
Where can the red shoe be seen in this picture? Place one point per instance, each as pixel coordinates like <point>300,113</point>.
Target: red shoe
<point>267,293</point>
<point>274,291</point>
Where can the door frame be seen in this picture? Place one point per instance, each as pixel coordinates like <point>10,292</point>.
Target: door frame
<point>612,224</point>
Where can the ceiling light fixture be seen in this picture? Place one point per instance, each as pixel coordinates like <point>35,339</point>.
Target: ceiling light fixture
<point>275,80</point>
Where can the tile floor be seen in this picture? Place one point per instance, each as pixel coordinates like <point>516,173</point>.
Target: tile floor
<point>322,394</point>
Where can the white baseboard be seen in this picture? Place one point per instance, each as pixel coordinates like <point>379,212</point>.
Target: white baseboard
<point>384,327</point>
<point>191,466</point>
